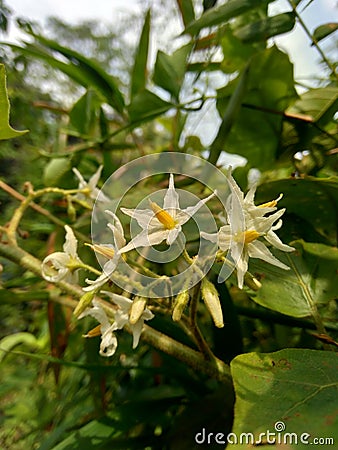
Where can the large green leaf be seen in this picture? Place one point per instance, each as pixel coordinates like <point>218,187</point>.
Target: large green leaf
<point>223,13</point>
<point>235,52</point>
<point>170,70</point>
<point>310,282</point>
<point>256,132</point>
<point>146,106</point>
<point>320,104</point>
<point>293,391</point>
<point>314,200</point>
<point>6,131</point>
<point>139,73</point>
<point>266,28</point>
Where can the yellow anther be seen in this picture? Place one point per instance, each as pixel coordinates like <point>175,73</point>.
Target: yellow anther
<point>94,332</point>
<point>271,204</point>
<point>163,216</point>
<point>104,250</point>
<point>250,236</point>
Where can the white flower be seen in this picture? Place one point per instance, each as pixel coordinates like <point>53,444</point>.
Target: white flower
<point>93,192</point>
<point>161,224</point>
<point>122,316</point>
<point>63,262</point>
<point>109,250</point>
<point>247,223</point>
<point>108,343</point>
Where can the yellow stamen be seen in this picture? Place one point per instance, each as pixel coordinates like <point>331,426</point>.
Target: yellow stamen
<point>250,236</point>
<point>271,204</point>
<point>163,216</point>
<point>102,249</point>
<point>94,332</point>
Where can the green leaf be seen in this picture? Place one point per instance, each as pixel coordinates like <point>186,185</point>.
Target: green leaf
<point>6,131</point>
<point>325,30</point>
<point>186,8</point>
<point>146,106</point>
<point>321,104</point>
<point>95,435</point>
<point>9,342</point>
<point>266,28</point>
<point>139,74</point>
<point>170,70</point>
<point>221,14</point>
<point>235,53</point>
<point>309,282</point>
<point>79,68</point>
<point>83,115</point>
<point>294,386</point>
<point>256,131</point>
<point>55,170</point>
<point>229,116</point>
<point>314,200</point>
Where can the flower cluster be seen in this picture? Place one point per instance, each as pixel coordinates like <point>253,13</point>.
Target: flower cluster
<point>246,232</point>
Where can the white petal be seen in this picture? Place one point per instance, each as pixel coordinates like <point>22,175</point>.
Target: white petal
<point>212,237</point>
<point>98,313</point>
<point>92,183</point>
<point>59,261</point>
<point>191,210</point>
<point>123,302</point>
<point>70,245</point>
<point>108,343</point>
<point>146,239</point>
<point>171,199</point>
<point>235,189</point>
<point>236,214</point>
<point>264,224</point>
<point>257,249</point>
<point>82,182</point>
<point>274,240</point>
<point>249,198</point>
<point>137,330</point>
<point>224,237</point>
<point>142,216</point>
<point>119,239</point>
<point>172,234</point>
<point>242,267</point>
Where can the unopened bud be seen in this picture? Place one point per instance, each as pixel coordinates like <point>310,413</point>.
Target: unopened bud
<point>84,302</point>
<point>211,300</point>
<point>252,282</point>
<point>180,303</point>
<point>137,309</point>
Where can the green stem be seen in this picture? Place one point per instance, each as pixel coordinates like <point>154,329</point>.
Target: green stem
<point>214,368</point>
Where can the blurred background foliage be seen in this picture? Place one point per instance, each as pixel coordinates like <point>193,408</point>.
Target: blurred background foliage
<point>90,95</point>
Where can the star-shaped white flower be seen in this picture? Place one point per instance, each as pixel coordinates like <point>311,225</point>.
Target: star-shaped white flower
<point>63,262</point>
<point>111,251</point>
<point>161,224</point>
<point>246,224</point>
<point>94,193</point>
<point>108,343</point>
<point>122,316</point>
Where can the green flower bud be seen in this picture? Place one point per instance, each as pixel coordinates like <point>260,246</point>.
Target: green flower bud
<point>84,302</point>
<point>180,303</point>
<point>211,300</point>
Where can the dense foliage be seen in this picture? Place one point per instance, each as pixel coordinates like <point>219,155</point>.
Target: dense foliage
<point>249,352</point>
